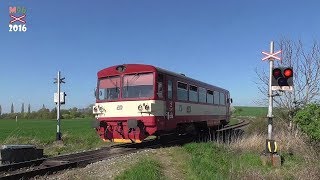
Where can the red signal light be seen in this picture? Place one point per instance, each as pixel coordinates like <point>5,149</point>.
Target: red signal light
<point>282,78</point>
<point>288,73</point>
<point>276,73</point>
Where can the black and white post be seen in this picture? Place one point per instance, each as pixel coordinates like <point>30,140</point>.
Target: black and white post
<point>271,155</point>
<point>271,56</point>
<point>57,100</point>
<point>270,115</point>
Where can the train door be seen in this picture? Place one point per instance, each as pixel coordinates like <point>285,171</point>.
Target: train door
<point>170,107</point>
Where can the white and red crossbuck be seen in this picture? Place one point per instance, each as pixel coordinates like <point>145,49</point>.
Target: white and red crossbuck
<point>20,19</point>
<point>271,55</point>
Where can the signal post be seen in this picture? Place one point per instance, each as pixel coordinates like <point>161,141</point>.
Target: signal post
<point>270,156</point>
<point>59,98</point>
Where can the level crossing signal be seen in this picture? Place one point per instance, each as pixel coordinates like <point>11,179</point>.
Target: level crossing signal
<point>282,78</point>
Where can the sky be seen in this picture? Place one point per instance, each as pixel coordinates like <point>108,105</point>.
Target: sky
<point>218,42</point>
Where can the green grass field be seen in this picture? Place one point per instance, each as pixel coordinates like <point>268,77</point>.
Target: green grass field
<point>77,134</point>
<point>250,111</point>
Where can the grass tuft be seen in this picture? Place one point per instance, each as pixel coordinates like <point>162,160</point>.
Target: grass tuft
<point>300,159</point>
<point>146,169</point>
<point>241,159</point>
<point>214,161</point>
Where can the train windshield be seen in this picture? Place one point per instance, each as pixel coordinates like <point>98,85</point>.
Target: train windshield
<point>109,88</point>
<point>138,86</point>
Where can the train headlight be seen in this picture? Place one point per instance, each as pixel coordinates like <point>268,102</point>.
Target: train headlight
<point>95,109</point>
<point>140,108</point>
<point>147,107</point>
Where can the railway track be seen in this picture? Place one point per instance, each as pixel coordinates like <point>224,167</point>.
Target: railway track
<point>229,133</point>
<point>239,125</point>
<point>47,166</point>
<point>50,165</point>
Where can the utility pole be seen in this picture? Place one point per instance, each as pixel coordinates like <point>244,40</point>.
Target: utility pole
<point>58,100</point>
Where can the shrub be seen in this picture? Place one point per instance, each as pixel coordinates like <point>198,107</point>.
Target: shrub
<point>308,119</point>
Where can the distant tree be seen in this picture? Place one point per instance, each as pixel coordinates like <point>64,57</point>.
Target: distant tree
<point>74,113</point>
<point>43,113</point>
<point>53,113</point>
<point>29,108</point>
<point>12,109</point>
<point>22,108</point>
<point>43,107</point>
<point>88,111</point>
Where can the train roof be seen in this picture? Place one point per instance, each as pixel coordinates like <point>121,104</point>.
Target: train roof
<point>129,68</point>
<point>183,76</point>
<point>133,68</point>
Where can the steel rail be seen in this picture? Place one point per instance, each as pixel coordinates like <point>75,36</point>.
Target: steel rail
<point>64,157</point>
<point>239,125</point>
<point>58,163</point>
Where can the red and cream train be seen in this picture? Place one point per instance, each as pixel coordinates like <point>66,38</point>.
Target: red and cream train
<point>134,101</point>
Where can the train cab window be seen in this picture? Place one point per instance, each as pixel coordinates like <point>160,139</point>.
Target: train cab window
<point>216,97</point>
<point>202,95</point>
<point>138,86</point>
<point>222,99</point>
<point>193,93</point>
<point>209,97</point>
<point>182,91</point>
<point>169,89</point>
<point>160,86</point>
<point>109,88</point>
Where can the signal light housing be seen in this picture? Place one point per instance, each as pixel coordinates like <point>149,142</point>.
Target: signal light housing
<point>282,78</point>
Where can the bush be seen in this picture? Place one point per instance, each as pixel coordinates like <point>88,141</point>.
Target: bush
<point>308,119</point>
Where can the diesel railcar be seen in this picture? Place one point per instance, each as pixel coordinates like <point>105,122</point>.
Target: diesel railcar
<point>134,101</point>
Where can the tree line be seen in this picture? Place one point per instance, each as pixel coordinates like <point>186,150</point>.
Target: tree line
<point>45,113</point>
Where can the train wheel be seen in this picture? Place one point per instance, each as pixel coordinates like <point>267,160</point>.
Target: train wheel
<point>212,134</point>
<point>202,132</point>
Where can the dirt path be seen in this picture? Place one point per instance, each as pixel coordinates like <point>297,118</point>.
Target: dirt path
<point>172,163</point>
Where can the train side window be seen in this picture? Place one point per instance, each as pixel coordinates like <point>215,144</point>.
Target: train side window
<point>182,91</point>
<point>216,98</point>
<point>193,93</point>
<point>160,86</point>
<point>209,97</point>
<point>222,99</point>
<point>202,95</point>
<point>169,89</point>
